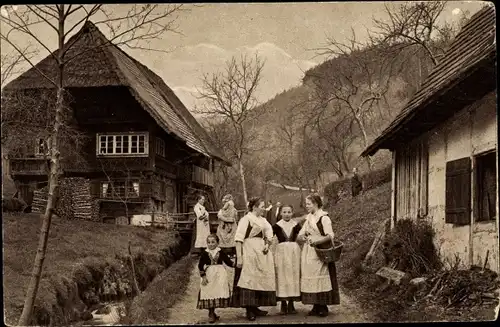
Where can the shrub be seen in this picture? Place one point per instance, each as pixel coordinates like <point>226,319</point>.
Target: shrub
<point>410,245</point>
<point>13,205</point>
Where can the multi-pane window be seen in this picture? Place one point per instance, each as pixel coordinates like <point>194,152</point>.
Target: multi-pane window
<point>127,144</point>
<point>42,147</point>
<point>160,147</point>
<point>120,189</point>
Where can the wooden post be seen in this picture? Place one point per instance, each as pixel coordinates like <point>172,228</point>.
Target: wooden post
<point>380,236</point>
<point>393,191</point>
<point>135,286</point>
<point>498,218</point>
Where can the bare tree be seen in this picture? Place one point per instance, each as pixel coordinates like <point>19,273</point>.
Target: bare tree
<point>220,134</point>
<point>416,24</point>
<point>231,97</point>
<point>333,131</point>
<point>141,23</point>
<point>355,80</point>
<point>12,63</point>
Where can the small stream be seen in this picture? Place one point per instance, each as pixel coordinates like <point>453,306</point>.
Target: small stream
<point>108,314</point>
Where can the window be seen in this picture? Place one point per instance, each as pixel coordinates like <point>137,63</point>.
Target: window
<point>42,147</point>
<point>485,187</point>
<point>458,192</point>
<point>120,189</point>
<point>412,181</point>
<point>127,144</point>
<point>160,147</point>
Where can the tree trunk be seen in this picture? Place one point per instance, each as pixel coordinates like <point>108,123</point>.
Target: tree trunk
<point>365,139</point>
<point>243,181</point>
<point>24,320</point>
<point>36,274</point>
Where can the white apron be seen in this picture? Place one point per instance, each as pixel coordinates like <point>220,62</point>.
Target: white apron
<point>315,277</point>
<point>218,286</point>
<point>202,227</point>
<point>287,263</point>
<point>257,272</point>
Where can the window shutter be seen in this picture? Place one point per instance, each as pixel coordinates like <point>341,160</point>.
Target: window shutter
<point>458,191</point>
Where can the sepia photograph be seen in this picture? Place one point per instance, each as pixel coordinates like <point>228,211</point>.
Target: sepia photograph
<point>249,163</point>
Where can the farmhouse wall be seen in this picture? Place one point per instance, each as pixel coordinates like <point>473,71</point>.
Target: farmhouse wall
<point>471,131</point>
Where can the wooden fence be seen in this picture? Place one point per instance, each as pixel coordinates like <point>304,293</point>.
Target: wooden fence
<point>184,222</point>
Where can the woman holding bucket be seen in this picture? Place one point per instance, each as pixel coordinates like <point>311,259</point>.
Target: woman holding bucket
<point>318,283</point>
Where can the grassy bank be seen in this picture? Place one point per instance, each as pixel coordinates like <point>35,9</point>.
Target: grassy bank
<point>85,264</point>
<point>151,306</point>
<point>355,222</point>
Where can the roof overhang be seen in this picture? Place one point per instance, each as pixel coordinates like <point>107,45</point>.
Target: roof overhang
<point>464,90</point>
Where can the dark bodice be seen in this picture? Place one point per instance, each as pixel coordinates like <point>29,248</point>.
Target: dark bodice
<point>281,235</point>
<point>207,260</point>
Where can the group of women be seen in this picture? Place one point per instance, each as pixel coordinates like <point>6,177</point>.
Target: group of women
<point>293,272</point>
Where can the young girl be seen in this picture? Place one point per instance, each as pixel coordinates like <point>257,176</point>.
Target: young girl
<point>287,260</point>
<point>214,289</point>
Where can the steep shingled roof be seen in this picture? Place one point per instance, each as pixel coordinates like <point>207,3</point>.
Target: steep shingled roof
<point>475,43</point>
<point>110,66</point>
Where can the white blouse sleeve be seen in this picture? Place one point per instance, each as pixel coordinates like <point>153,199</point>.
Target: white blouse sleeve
<point>268,231</point>
<point>327,226</point>
<point>303,229</point>
<point>241,230</point>
<point>199,211</point>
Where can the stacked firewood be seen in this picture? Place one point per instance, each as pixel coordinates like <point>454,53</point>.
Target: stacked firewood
<point>75,200</point>
<point>84,206</point>
<point>64,208</point>
<point>40,200</point>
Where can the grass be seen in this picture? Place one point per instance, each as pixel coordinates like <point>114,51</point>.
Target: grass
<point>151,306</point>
<point>77,251</point>
<point>356,222</point>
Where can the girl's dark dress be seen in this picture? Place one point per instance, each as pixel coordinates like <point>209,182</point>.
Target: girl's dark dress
<point>218,292</point>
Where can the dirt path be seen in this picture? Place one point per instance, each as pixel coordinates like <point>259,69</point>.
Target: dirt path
<point>185,312</point>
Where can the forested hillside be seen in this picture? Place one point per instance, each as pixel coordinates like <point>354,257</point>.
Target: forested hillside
<point>313,134</point>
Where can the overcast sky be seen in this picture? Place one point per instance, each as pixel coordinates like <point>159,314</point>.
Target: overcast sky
<point>282,33</point>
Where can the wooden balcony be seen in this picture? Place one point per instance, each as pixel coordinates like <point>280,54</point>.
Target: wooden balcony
<point>202,176</point>
<point>166,167</point>
<point>29,166</point>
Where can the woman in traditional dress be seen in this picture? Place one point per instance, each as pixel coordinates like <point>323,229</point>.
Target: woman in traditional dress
<point>202,226</point>
<point>226,230</point>
<point>255,279</point>
<point>287,260</point>
<point>214,288</point>
<point>318,282</point>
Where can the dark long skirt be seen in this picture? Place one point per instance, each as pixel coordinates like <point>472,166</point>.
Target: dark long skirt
<point>324,298</point>
<point>244,297</point>
<point>212,303</point>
